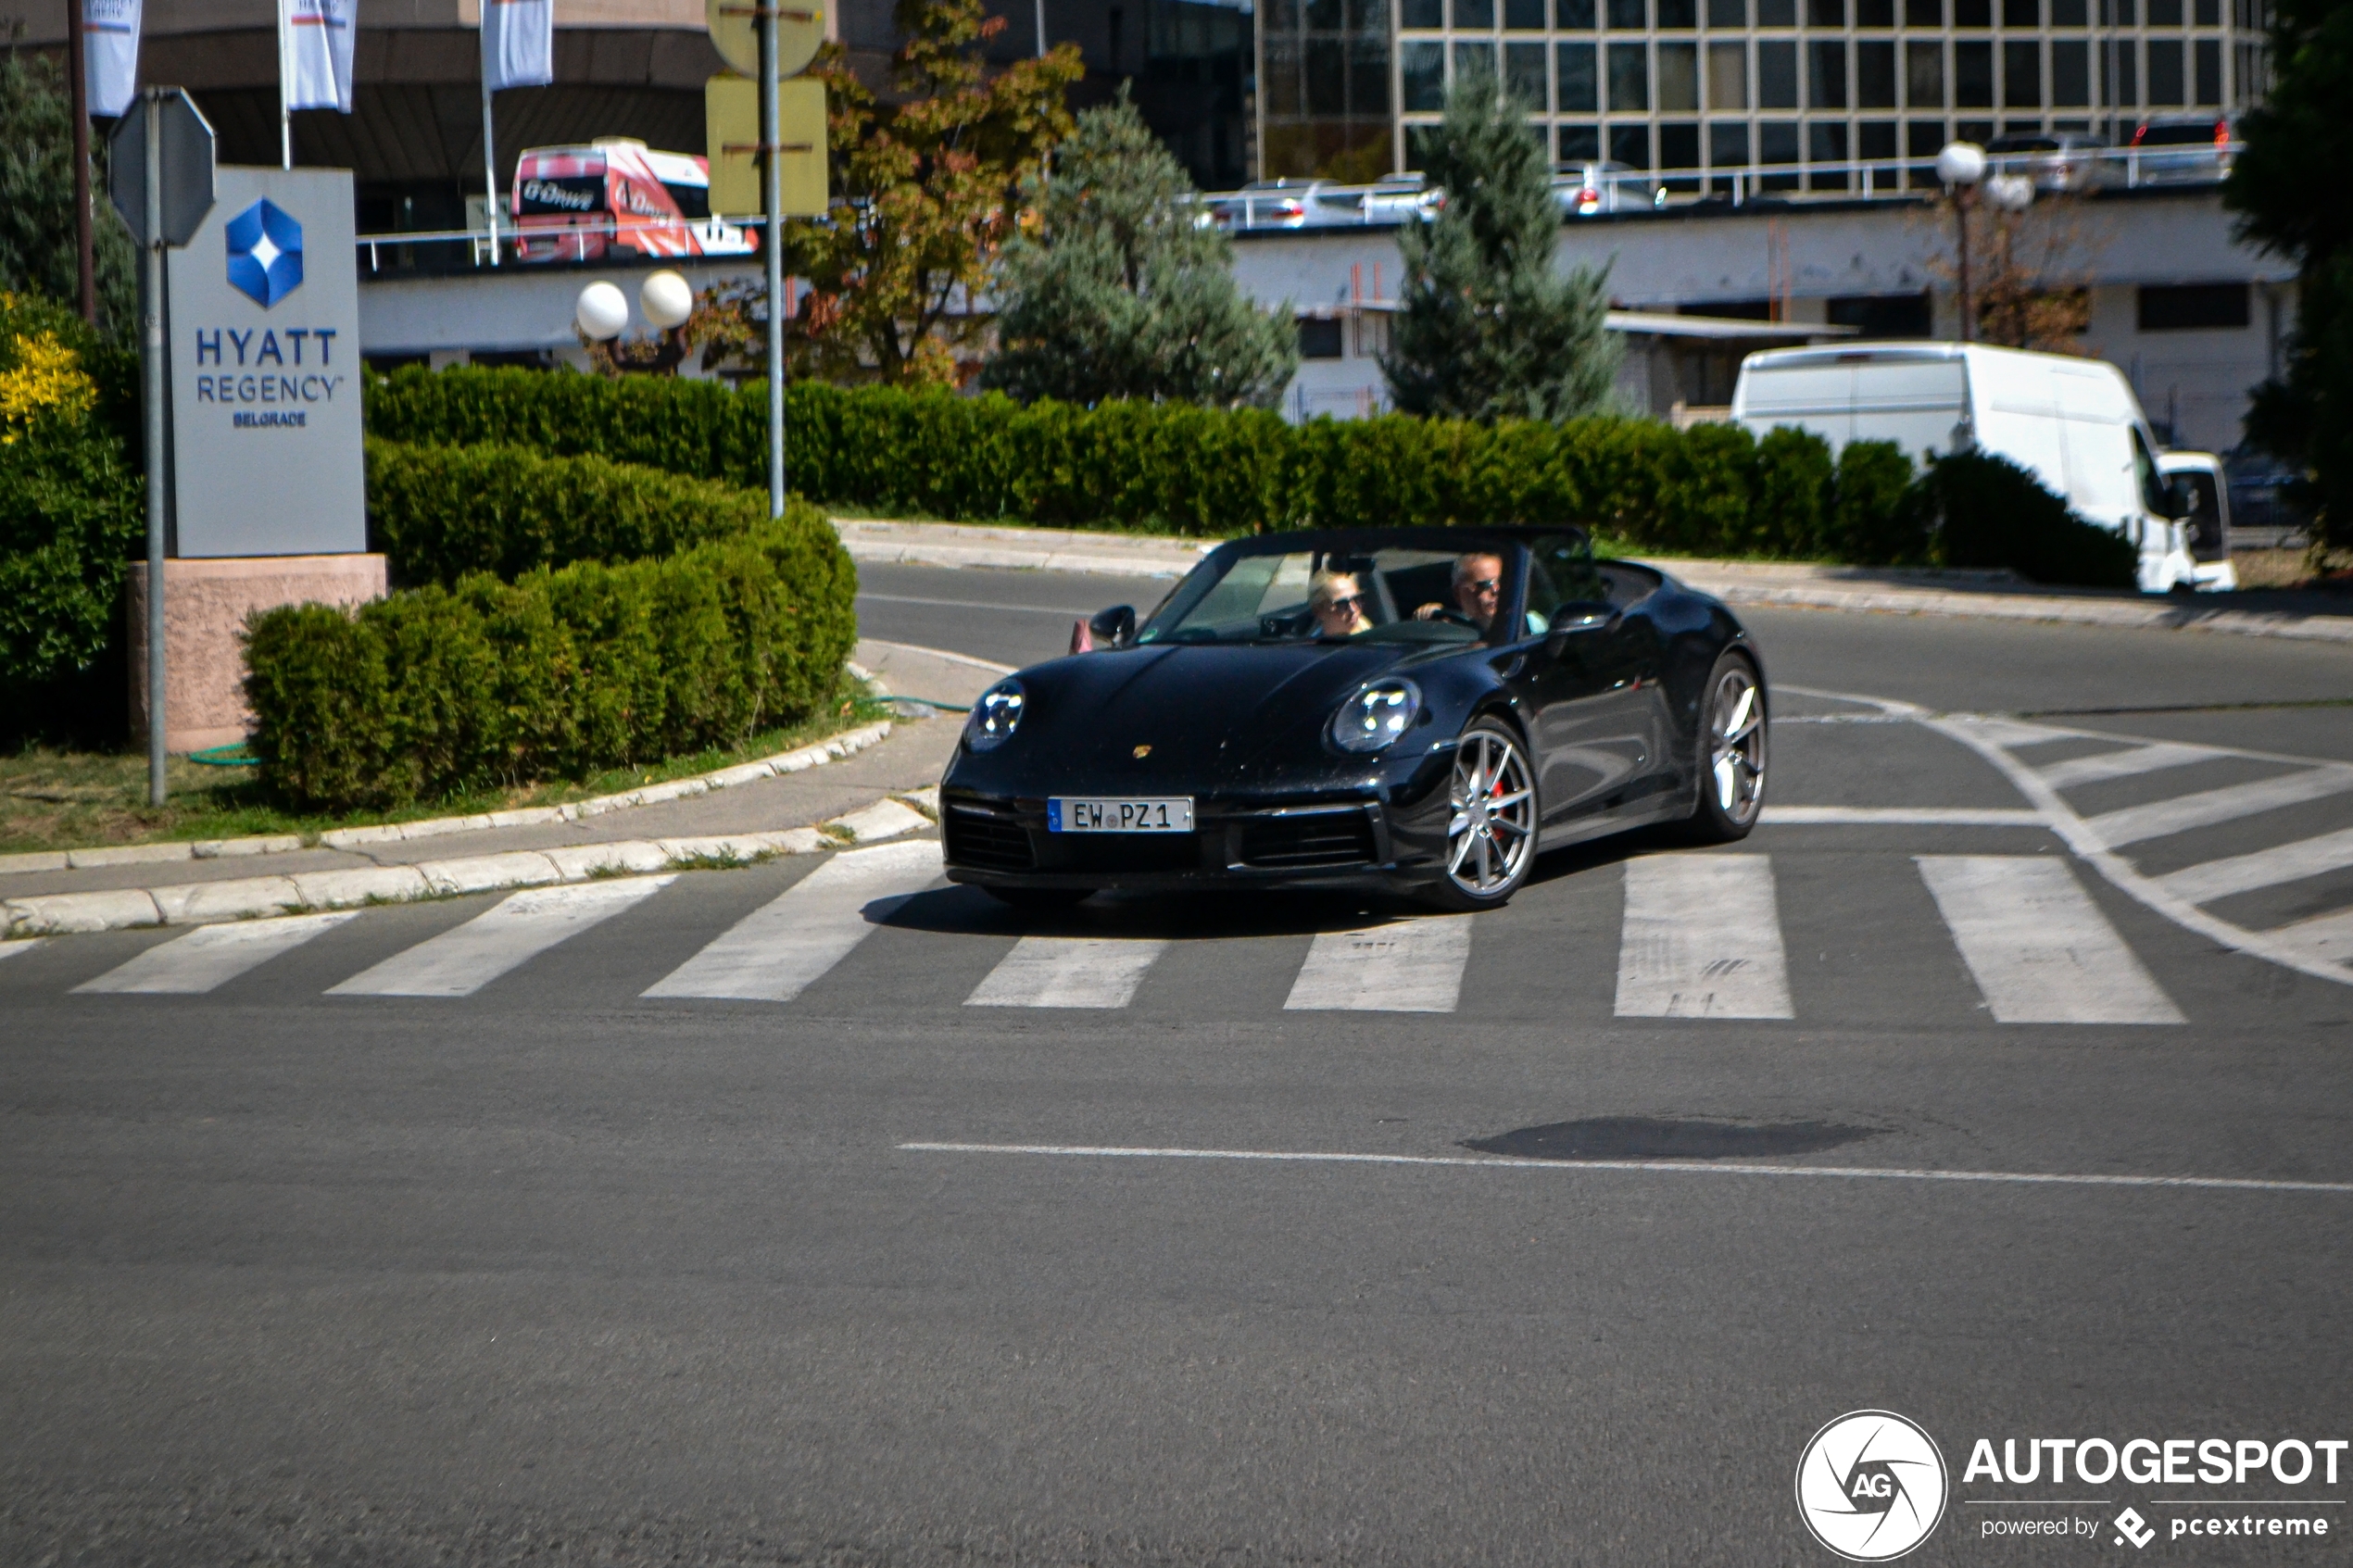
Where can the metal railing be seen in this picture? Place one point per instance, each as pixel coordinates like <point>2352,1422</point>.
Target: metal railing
<point>1390,203</point>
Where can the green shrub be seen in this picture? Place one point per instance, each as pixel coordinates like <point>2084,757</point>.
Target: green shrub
<point>483,684</point>
<point>1794,482</point>
<point>439,513</point>
<point>1993,513</point>
<point>1870,521</point>
<point>72,506</point>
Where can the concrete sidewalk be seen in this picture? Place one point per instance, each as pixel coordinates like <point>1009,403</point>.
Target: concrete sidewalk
<point>1996,596</point>
<point>854,796</point>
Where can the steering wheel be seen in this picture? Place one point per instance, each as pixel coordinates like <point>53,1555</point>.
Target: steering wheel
<point>1455,616</point>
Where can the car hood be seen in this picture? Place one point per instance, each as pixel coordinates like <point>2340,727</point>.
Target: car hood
<point>1209,714</point>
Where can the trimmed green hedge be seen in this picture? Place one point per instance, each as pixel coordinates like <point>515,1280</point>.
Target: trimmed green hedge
<point>1994,513</point>
<point>1712,490</point>
<point>560,673</point>
<point>439,513</point>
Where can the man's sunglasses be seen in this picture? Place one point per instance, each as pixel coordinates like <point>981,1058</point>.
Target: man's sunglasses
<point>1491,586</point>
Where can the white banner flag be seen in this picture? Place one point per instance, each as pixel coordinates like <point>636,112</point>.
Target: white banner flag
<point>314,52</point>
<point>110,52</point>
<point>518,43</point>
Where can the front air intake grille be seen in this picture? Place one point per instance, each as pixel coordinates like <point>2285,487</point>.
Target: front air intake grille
<point>986,842</point>
<point>1334,838</point>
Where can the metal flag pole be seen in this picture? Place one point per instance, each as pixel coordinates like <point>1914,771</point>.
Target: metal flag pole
<point>285,110</point>
<point>489,159</point>
<point>78,78</point>
<point>154,394</point>
<point>773,193</point>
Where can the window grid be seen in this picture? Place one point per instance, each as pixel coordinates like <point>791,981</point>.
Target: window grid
<point>1802,83</point>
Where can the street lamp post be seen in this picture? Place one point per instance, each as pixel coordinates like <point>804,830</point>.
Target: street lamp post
<point>1962,165</point>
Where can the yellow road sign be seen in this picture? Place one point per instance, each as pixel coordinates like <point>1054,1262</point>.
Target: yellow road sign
<point>734,32</point>
<point>731,130</point>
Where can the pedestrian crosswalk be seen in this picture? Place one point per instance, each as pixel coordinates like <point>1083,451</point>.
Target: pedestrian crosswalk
<point>1699,937</point>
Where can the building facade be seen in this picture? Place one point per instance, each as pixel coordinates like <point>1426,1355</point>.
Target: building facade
<point>1790,92</point>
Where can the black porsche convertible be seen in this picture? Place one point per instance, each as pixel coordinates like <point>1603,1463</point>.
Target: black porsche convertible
<point>1419,711</point>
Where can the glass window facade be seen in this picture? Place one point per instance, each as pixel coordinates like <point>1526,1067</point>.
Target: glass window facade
<point>1775,89</point>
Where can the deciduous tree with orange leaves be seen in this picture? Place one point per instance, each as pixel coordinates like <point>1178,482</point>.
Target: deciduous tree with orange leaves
<point>926,188</point>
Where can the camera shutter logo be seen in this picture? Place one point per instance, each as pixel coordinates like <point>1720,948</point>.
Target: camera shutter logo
<point>1871,1486</point>
<point>265,253</point>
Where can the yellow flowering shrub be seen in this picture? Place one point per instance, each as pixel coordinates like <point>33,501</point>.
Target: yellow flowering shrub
<point>45,377</point>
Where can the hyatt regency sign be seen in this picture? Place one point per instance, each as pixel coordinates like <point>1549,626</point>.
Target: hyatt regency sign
<point>265,370</point>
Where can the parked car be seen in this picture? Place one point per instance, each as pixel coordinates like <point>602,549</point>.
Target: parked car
<point>1394,201</point>
<point>2183,149</point>
<point>1585,189</point>
<point>616,194</point>
<point>1285,203</point>
<point>2073,423</point>
<point>2202,497</point>
<point>2059,162</point>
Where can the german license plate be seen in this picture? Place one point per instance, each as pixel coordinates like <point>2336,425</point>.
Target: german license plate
<point>1159,814</point>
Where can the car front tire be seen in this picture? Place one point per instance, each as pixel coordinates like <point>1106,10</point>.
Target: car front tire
<point>1492,821</point>
<point>1729,757</point>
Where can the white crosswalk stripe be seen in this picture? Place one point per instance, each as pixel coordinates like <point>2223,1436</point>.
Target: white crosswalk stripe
<point>1406,966</point>
<point>2328,937</point>
<point>773,954</point>
<point>2038,948</point>
<point>519,928</point>
<point>1067,972</point>
<point>211,956</point>
<point>2135,824</point>
<point>2209,880</point>
<point>1702,939</point>
<point>25,945</point>
<point>2130,762</point>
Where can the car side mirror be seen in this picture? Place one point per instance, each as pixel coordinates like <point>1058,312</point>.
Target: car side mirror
<point>1575,619</point>
<point>1113,628</point>
<point>2182,493</point>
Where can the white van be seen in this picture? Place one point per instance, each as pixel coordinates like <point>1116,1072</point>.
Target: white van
<point>2074,423</point>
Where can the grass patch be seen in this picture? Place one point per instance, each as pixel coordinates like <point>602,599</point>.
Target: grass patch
<point>77,800</point>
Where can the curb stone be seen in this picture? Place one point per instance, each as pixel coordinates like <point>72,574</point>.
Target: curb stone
<point>57,914</point>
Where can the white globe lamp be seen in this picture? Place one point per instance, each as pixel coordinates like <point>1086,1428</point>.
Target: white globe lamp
<point>666,300</point>
<point>1961,163</point>
<point>603,310</point>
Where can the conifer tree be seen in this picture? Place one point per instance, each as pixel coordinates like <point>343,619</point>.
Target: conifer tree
<point>1122,289</point>
<point>1486,329</point>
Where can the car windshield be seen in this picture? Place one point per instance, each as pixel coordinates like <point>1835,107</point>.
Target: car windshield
<point>1333,594</point>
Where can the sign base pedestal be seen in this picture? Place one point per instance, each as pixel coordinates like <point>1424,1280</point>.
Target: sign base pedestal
<point>206,603</point>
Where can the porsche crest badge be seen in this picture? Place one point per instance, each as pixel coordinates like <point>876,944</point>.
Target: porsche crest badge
<point>1142,752</point>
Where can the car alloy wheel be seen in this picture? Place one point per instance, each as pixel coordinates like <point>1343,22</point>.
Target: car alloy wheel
<point>1736,746</point>
<point>1490,831</point>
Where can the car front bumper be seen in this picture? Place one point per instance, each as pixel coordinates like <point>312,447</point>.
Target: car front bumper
<point>1354,840</point>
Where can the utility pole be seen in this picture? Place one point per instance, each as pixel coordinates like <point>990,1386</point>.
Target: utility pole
<point>773,205</point>
<point>78,77</point>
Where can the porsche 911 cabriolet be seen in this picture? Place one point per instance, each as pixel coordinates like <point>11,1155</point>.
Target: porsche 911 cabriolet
<point>1415,710</point>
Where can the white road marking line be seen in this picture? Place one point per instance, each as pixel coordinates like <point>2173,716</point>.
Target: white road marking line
<point>1902,816</point>
<point>10,949</point>
<point>1702,939</point>
<point>212,955</point>
<point>2328,937</point>
<point>1067,972</point>
<point>2041,950</point>
<point>2009,733</point>
<point>2135,824</point>
<point>777,951</point>
<point>2205,883</point>
<point>1667,1167</point>
<point>1406,966</point>
<point>516,929</point>
<point>2128,763</point>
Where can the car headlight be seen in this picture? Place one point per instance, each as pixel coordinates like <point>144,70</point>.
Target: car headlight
<point>996,716</point>
<point>1376,716</point>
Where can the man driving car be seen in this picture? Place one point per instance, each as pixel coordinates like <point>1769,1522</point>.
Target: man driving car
<point>1478,587</point>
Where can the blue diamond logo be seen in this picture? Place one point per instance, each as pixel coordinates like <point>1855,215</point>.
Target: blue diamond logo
<point>265,253</point>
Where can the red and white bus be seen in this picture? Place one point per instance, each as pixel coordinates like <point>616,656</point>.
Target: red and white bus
<point>615,196</point>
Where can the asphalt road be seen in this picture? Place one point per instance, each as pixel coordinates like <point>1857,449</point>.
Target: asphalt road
<point>554,1273</point>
